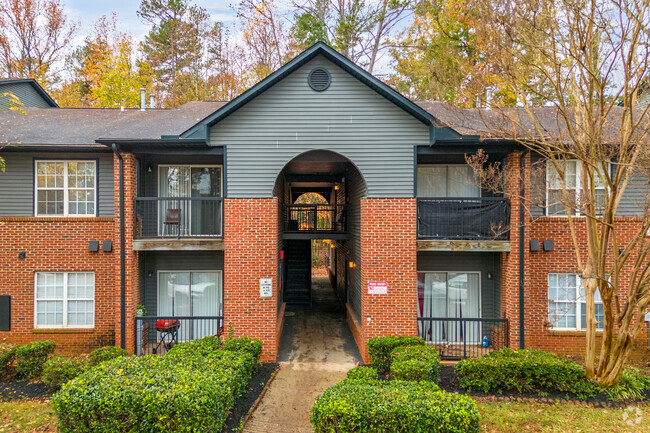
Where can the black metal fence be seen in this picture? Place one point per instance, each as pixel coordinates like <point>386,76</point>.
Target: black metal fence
<point>158,334</point>
<point>314,218</point>
<point>485,218</point>
<point>179,217</point>
<point>459,338</point>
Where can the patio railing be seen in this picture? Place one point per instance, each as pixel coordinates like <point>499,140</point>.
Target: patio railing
<point>459,338</point>
<point>178,217</point>
<point>155,335</point>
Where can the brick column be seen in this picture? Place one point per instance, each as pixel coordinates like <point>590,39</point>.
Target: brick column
<point>131,264</point>
<point>388,254</point>
<point>250,243</point>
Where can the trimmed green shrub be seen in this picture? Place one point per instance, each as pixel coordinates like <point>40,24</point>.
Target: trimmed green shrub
<point>632,385</point>
<point>528,370</point>
<point>380,348</point>
<point>107,353</point>
<point>204,346</point>
<point>60,370</point>
<point>31,357</point>
<point>363,373</point>
<point>395,406</point>
<point>182,391</point>
<point>415,363</point>
<point>7,355</point>
<point>250,345</point>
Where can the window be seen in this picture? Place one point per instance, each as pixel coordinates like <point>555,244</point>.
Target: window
<point>65,300</point>
<point>567,304</point>
<point>447,181</point>
<point>554,197</point>
<point>65,188</point>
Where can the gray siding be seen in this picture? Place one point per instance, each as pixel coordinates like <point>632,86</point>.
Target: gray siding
<point>25,93</point>
<point>348,118</point>
<point>356,190</point>
<point>173,261</point>
<point>17,182</point>
<point>470,262</point>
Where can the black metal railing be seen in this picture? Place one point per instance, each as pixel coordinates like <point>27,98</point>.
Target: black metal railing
<point>486,218</point>
<point>178,217</point>
<point>459,338</point>
<point>314,218</point>
<point>158,334</point>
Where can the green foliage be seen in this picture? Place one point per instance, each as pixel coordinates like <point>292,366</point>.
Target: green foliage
<point>396,406</point>
<point>102,354</point>
<point>380,348</point>
<point>182,391</point>
<point>246,344</point>
<point>309,29</point>
<point>363,373</point>
<point>6,359</point>
<point>633,385</point>
<point>31,357</point>
<point>528,370</point>
<point>60,370</point>
<point>415,363</point>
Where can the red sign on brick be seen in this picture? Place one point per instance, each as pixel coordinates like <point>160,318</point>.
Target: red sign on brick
<point>377,288</point>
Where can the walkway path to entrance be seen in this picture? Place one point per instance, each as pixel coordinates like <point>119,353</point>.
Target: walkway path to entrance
<point>316,351</point>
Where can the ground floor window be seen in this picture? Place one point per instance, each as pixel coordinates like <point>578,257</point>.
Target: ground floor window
<point>567,304</point>
<point>451,295</point>
<point>64,300</point>
<point>191,293</point>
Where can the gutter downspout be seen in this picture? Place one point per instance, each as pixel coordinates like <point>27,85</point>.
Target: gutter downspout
<point>117,153</point>
<point>522,192</point>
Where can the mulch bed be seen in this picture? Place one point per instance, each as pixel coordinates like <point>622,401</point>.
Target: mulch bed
<point>14,388</point>
<point>243,405</point>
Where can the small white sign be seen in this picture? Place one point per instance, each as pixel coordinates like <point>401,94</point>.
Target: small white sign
<point>266,287</point>
<point>377,288</point>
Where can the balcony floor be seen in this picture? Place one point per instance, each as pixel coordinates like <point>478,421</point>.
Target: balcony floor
<point>464,245</point>
<point>174,244</point>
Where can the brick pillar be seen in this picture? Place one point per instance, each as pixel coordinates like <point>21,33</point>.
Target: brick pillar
<point>250,243</point>
<point>132,289</point>
<point>510,261</point>
<point>388,254</point>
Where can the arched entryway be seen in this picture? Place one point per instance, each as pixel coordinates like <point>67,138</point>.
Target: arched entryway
<point>319,267</point>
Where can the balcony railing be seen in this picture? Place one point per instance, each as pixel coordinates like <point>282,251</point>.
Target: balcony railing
<point>485,218</point>
<point>156,335</point>
<point>178,217</point>
<point>458,338</point>
<point>300,218</point>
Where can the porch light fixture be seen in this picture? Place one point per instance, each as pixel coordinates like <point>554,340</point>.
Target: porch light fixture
<point>336,187</point>
<point>149,168</point>
<point>352,265</point>
<point>548,245</point>
<point>150,274</point>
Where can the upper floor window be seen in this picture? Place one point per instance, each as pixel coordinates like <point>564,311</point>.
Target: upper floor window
<point>66,188</point>
<point>447,181</point>
<point>567,303</point>
<point>557,202</point>
<point>64,300</point>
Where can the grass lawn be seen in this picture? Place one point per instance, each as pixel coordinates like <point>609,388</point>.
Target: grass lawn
<point>27,416</point>
<point>520,417</point>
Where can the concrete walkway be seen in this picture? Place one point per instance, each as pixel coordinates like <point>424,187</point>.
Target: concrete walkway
<point>316,351</point>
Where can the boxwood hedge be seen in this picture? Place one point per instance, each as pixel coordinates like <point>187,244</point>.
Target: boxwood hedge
<point>380,348</point>
<point>6,359</point>
<point>31,357</point>
<point>395,406</point>
<point>107,353</point>
<point>363,373</point>
<point>528,370</point>
<point>182,391</point>
<point>415,363</point>
<point>59,370</point>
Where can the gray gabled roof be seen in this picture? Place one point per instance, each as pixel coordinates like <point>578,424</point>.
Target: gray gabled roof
<point>37,87</point>
<point>200,129</point>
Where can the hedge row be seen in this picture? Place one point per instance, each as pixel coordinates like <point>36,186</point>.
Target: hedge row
<point>415,363</point>
<point>395,406</point>
<point>190,389</point>
<point>380,349</point>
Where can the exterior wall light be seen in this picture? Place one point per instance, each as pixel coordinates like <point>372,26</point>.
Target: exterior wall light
<point>352,265</point>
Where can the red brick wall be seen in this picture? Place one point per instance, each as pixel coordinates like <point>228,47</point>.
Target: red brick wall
<point>132,296</point>
<point>56,245</point>
<point>388,254</point>
<point>250,243</point>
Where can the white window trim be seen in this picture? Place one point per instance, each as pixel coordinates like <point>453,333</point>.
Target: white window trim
<point>578,188</point>
<point>65,301</point>
<point>160,166</point>
<point>578,302</point>
<point>480,189</point>
<point>196,271</point>
<point>66,198</point>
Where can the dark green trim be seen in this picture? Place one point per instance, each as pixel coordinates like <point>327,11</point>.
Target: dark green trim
<point>42,93</point>
<point>319,48</point>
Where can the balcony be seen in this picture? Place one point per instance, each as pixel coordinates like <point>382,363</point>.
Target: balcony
<point>156,335</point>
<point>464,223</point>
<point>178,223</point>
<point>459,338</point>
<point>314,221</point>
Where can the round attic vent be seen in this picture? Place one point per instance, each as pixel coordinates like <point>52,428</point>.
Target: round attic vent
<point>319,79</point>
